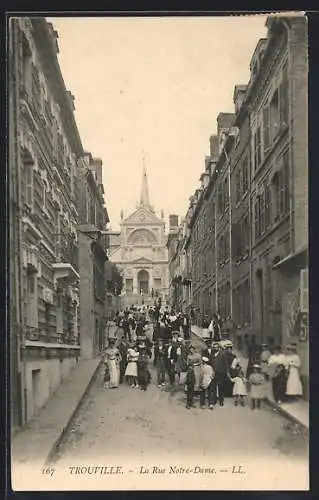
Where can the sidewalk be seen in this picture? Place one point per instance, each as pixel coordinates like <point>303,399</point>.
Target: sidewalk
<point>36,441</point>
<point>297,411</point>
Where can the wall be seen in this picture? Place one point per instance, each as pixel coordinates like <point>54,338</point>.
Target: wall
<point>52,373</point>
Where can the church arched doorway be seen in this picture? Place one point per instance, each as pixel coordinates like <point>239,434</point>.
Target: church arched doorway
<point>143,282</point>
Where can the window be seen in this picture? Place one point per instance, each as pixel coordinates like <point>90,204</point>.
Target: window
<point>266,127</point>
<point>281,187</point>
<point>226,194</point>
<point>129,285</point>
<point>284,97</point>
<point>286,175</point>
<point>47,318</point>
<point>27,66</point>
<point>92,214</point>
<point>45,191</point>
<point>58,234</point>
<point>245,235</point>
<point>36,89</point>
<point>245,180</point>
<point>28,179</point>
<point>267,206</point>
<point>274,115</point>
<point>32,299</point>
<point>226,251</point>
<point>238,186</point>
<point>262,212</point>
<point>54,138</point>
<point>257,217</point>
<point>257,148</point>
<point>221,250</point>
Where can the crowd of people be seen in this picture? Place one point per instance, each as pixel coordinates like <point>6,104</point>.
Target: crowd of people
<point>280,366</point>
<point>213,372</point>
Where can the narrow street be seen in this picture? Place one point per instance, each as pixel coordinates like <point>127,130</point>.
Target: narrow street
<point>129,424</point>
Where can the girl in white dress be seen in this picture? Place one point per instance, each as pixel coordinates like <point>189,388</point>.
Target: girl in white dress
<point>239,388</point>
<point>131,369</point>
<point>294,387</point>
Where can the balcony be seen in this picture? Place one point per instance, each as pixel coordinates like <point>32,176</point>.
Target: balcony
<point>30,257</point>
<point>67,251</point>
<point>34,337</point>
<point>65,271</point>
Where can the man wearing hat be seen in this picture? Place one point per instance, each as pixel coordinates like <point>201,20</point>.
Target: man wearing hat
<point>206,378</point>
<point>220,368</point>
<point>171,360</point>
<point>143,373</point>
<point>207,351</point>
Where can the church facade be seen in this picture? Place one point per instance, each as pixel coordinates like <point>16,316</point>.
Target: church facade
<point>140,252</point>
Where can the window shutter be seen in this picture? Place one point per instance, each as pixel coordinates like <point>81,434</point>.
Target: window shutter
<point>304,291</point>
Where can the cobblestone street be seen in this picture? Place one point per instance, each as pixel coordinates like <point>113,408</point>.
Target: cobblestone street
<point>131,425</point>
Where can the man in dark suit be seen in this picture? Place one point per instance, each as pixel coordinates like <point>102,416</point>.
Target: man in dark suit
<point>208,351</point>
<point>171,360</point>
<point>219,364</point>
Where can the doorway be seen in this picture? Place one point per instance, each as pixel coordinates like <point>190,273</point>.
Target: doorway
<point>143,282</point>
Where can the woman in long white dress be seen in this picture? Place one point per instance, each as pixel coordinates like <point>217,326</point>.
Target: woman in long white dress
<point>112,359</point>
<point>294,386</point>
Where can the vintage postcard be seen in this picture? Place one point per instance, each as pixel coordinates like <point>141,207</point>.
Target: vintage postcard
<point>159,252</point>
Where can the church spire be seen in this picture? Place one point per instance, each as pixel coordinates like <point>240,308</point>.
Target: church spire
<point>144,200</point>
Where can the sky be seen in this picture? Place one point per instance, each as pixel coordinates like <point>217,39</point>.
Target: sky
<point>153,88</point>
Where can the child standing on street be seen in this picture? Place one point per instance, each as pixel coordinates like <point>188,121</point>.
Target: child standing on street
<point>257,387</point>
<point>239,388</point>
<point>206,378</point>
<point>190,385</point>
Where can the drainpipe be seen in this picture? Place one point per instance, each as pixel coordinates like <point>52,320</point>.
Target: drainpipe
<point>18,250</point>
<point>290,131</point>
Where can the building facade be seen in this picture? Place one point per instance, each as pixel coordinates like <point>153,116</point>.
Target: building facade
<point>93,238</point>
<point>248,220</point>
<point>279,190</point>
<point>173,249</point>
<point>44,149</point>
<point>140,253</point>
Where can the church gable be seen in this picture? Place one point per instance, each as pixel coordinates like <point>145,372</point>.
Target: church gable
<point>142,216</point>
<point>142,260</point>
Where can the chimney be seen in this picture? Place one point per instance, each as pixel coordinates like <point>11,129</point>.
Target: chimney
<point>213,146</point>
<point>204,179</point>
<point>224,121</point>
<point>239,96</point>
<point>97,162</point>
<point>173,222</point>
<point>71,99</point>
